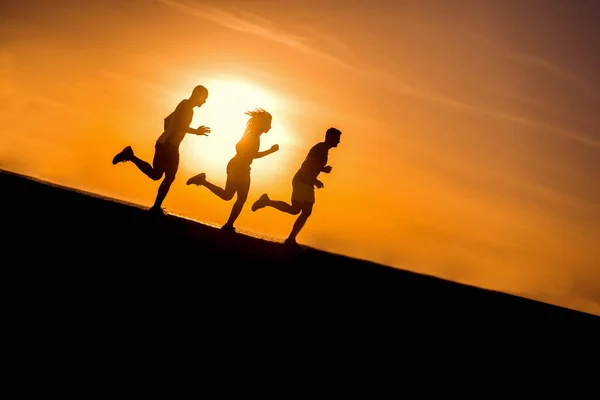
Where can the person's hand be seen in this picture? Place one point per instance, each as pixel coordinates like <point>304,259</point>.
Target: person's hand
<point>319,184</point>
<point>274,148</point>
<point>327,169</point>
<point>203,130</point>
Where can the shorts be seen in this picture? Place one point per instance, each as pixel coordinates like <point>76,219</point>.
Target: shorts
<point>237,168</point>
<point>238,176</point>
<point>303,192</point>
<point>166,158</point>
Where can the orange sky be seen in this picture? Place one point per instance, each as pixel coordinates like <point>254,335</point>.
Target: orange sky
<point>471,130</point>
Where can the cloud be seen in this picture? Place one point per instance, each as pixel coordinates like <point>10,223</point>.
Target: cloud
<point>430,95</point>
<point>252,24</point>
<point>259,26</point>
<point>522,58</point>
<point>531,60</point>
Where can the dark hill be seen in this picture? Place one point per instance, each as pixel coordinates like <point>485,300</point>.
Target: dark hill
<point>79,254</point>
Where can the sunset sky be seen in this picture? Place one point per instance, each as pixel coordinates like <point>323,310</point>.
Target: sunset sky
<point>471,129</point>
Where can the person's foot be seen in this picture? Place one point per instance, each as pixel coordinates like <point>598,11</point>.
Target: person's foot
<point>196,179</point>
<point>124,155</point>
<point>291,242</point>
<point>228,228</point>
<point>261,202</point>
<point>157,210</point>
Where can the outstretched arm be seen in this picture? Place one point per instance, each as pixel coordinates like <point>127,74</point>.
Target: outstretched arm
<point>200,131</point>
<point>182,118</point>
<point>261,154</point>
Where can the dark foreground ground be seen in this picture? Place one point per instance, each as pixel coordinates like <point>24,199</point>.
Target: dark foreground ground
<point>97,264</point>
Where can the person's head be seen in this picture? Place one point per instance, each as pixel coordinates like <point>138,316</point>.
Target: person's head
<point>332,137</point>
<point>199,95</point>
<point>260,121</point>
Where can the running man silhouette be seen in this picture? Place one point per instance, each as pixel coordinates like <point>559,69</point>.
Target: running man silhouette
<point>166,149</point>
<point>303,184</point>
<point>238,168</point>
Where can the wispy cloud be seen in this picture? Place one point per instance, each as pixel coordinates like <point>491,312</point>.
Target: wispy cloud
<point>243,21</point>
<point>430,95</point>
<point>531,60</point>
<point>249,23</point>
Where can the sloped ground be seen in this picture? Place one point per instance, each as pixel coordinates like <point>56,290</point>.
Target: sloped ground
<point>83,256</point>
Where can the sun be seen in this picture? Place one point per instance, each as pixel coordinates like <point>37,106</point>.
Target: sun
<point>224,112</point>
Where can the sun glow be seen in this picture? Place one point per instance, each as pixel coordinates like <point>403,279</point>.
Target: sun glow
<point>224,112</point>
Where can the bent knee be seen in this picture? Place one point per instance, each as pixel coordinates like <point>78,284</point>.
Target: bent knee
<point>307,209</point>
<point>155,176</point>
<point>241,199</point>
<point>228,195</point>
<point>170,177</point>
<point>296,210</point>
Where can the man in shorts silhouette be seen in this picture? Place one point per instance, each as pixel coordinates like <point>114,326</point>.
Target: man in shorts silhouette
<point>166,149</point>
<point>304,183</point>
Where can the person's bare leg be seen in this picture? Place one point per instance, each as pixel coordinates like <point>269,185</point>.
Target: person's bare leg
<point>127,155</point>
<point>147,169</point>
<point>224,193</point>
<point>163,190</point>
<point>300,221</point>
<point>284,207</point>
<point>242,190</point>
<point>265,201</point>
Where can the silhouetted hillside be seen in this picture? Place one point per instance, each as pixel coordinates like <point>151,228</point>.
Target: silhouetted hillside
<point>88,253</point>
